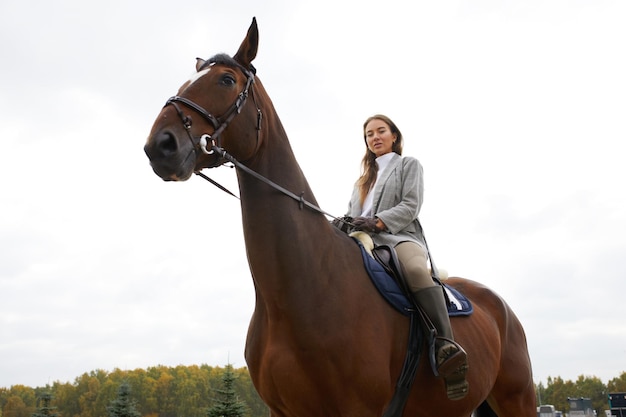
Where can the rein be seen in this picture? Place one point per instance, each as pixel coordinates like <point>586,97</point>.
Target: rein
<point>299,198</point>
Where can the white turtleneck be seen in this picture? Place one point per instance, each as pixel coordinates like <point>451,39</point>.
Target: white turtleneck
<point>382,162</point>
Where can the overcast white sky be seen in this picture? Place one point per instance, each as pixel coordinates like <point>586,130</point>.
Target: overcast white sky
<point>515,108</point>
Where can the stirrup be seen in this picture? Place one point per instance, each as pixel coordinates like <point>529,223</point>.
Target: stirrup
<point>455,361</point>
<point>449,364</point>
<point>453,369</point>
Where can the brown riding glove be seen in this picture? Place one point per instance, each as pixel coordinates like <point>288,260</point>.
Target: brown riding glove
<point>366,224</point>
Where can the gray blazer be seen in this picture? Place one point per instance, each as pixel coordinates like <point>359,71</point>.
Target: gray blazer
<point>398,198</point>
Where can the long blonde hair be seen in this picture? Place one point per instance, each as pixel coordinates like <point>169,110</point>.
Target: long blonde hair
<point>368,164</point>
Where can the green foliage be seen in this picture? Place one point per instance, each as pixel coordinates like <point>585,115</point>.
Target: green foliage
<point>45,409</point>
<point>593,388</point>
<point>18,401</point>
<point>617,384</point>
<point>159,391</point>
<point>228,403</point>
<point>123,405</point>
<point>556,391</point>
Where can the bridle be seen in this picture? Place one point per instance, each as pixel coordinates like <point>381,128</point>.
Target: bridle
<point>210,144</point>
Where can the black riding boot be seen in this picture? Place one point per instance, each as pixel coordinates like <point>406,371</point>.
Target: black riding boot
<point>450,360</point>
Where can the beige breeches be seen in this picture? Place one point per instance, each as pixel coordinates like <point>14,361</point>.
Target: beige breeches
<point>414,260</point>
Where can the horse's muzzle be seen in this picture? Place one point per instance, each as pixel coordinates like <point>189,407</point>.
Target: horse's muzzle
<point>171,159</point>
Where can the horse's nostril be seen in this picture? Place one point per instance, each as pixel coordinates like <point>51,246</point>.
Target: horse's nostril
<point>166,143</point>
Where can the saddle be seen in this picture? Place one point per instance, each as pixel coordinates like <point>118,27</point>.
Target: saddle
<point>388,276</point>
<point>388,259</point>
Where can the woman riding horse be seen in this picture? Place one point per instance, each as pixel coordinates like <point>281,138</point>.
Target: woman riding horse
<point>321,341</point>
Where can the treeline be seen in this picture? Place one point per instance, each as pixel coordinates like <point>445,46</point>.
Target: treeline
<point>556,391</point>
<point>189,391</point>
<point>159,391</point>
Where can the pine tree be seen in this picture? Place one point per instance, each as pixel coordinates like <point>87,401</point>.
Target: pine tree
<point>123,405</point>
<point>228,405</point>
<point>44,409</point>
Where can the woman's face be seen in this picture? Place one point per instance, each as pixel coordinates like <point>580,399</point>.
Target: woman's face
<point>379,137</point>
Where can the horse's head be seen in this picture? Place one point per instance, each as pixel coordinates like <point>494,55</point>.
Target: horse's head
<point>213,110</point>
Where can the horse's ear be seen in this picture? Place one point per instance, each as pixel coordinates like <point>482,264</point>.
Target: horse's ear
<point>199,63</point>
<point>247,51</point>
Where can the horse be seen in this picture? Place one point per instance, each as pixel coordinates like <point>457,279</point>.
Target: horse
<point>321,340</point>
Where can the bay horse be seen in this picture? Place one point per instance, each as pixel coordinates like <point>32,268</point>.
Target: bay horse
<point>321,341</point>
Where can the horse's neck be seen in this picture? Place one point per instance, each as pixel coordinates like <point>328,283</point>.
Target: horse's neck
<point>280,235</point>
<point>263,204</point>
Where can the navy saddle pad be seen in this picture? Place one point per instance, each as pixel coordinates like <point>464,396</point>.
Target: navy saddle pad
<point>459,305</point>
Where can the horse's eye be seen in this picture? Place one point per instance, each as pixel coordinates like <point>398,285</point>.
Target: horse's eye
<point>228,80</point>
